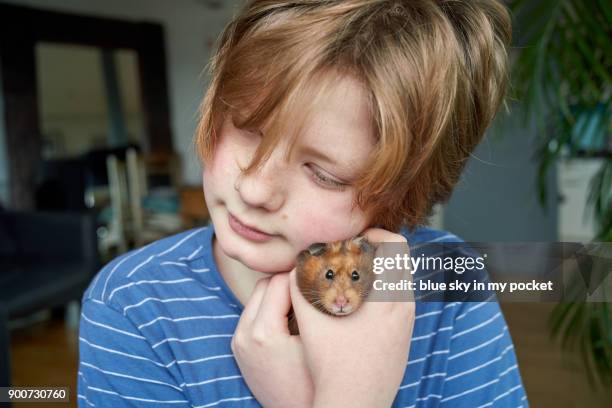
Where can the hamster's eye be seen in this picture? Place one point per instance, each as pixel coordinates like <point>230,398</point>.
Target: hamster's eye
<point>329,275</point>
<point>355,276</point>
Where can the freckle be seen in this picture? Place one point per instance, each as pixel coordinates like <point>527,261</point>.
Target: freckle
<point>284,216</point>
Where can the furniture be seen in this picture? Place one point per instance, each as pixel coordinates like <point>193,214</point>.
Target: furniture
<point>102,169</point>
<point>118,227</point>
<point>5,353</point>
<point>574,175</point>
<point>21,30</point>
<point>143,199</point>
<point>193,206</point>
<point>143,172</point>
<point>61,184</point>
<point>47,259</point>
<point>5,349</point>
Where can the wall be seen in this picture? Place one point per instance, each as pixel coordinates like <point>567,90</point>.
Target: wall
<point>4,193</point>
<point>576,218</point>
<point>73,101</point>
<point>496,197</point>
<point>190,27</point>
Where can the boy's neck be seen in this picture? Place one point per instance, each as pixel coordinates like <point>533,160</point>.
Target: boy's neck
<point>240,279</point>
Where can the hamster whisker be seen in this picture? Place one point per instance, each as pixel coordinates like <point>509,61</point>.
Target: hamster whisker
<point>313,282</point>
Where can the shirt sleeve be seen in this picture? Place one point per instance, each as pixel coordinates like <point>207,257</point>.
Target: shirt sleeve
<point>482,369</point>
<point>117,365</point>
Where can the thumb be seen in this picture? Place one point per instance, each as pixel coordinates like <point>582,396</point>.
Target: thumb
<point>300,305</point>
<point>275,305</point>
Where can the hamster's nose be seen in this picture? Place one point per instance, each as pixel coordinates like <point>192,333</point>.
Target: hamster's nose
<point>341,301</point>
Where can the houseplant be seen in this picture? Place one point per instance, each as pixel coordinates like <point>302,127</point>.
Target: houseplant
<point>561,74</point>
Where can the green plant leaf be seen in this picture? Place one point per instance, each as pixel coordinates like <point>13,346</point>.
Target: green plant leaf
<point>562,76</point>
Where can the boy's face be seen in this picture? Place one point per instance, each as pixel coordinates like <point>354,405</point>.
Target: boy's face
<point>296,202</point>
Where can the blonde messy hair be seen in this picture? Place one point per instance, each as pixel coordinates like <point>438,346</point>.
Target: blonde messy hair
<point>435,72</point>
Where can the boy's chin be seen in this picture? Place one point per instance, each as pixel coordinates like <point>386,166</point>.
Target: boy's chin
<point>265,266</point>
<point>260,262</point>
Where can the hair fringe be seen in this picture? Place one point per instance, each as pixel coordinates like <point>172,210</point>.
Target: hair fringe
<point>435,71</point>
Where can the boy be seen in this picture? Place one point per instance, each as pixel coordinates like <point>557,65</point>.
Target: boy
<point>322,120</point>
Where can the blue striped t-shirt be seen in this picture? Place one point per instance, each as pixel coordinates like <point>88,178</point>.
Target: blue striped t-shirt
<point>157,322</point>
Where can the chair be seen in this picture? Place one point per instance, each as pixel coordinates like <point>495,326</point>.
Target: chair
<point>47,259</point>
<point>119,226</point>
<point>61,184</point>
<point>129,182</point>
<point>148,225</point>
<point>5,348</point>
<point>193,206</point>
<point>5,353</point>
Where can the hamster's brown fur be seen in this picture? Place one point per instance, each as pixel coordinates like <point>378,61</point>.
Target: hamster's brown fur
<point>335,277</point>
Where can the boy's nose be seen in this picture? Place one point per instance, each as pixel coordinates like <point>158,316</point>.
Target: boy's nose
<point>262,188</point>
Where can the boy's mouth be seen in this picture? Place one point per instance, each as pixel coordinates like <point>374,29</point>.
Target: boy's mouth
<point>247,231</point>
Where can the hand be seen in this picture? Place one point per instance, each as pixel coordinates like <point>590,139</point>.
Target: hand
<point>272,361</point>
<point>360,359</point>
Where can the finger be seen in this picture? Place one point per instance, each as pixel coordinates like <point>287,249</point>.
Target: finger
<point>275,304</point>
<point>395,243</point>
<point>392,246</point>
<point>299,302</point>
<point>253,304</point>
<point>381,235</point>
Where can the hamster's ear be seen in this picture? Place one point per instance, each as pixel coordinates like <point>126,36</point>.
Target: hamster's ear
<point>364,245</point>
<point>301,258</point>
<point>317,249</point>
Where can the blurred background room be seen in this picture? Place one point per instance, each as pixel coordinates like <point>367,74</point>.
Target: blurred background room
<point>98,107</point>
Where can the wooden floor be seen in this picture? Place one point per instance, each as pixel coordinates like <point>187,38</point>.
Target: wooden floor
<point>46,354</point>
<point>551,378</point>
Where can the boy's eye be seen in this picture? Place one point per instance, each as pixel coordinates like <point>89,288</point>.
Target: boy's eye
<point>324,180</point>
